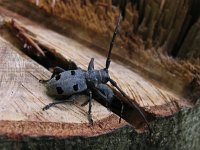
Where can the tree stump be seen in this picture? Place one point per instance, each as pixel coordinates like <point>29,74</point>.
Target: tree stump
<point>23,97</point>
<point>158,84</point>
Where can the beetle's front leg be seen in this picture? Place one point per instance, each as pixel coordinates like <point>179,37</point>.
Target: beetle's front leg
<point>56,71</point>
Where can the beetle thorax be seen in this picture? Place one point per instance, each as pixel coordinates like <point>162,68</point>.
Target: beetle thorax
<point>97,76</point>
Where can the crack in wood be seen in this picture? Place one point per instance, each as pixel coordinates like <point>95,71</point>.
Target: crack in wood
<point>56,45</point>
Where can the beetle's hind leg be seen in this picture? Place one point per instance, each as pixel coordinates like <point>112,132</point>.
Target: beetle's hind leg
<point>105,91</point>
<point>90,107</point>
<point>56,71</point>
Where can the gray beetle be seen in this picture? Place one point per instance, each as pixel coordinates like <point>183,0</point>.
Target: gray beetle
<point>66,83</point>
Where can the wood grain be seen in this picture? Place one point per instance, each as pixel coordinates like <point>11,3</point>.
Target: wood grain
<point>177,125</point>
<point>23,97</point>
<point>139,89</point>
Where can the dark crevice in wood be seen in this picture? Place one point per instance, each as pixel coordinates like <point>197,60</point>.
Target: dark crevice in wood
<point>63,27</point>
<point>49,60</point>
<point>130,114</point>
<point>59,28</point>
<point>140,8</point>
<point>52,59</point>
<point>177,126</point>
<point>190,20</point>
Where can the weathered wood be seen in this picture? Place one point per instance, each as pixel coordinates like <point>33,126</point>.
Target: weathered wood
<point>146,55</point>
<point>137,88</point>
<point>23,97</point>
<point>149,97</point>
<point>181,77</point>
<point>190,47</point>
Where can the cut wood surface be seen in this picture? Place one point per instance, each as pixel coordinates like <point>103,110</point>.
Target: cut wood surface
<point>23,97</point>
<point>152,98</point>
<point>159,84</point>
<point>144,39</point>
<point>139,90</point>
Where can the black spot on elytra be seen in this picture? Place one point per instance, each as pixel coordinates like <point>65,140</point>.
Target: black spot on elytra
<point>59,90</point>
<point>75,87</point>
<point>58,77</point>
<point>73,72</point>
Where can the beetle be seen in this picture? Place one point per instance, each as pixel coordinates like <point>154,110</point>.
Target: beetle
<point>70,82</point>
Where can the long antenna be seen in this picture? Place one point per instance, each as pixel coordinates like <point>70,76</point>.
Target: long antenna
<point>112,42</point>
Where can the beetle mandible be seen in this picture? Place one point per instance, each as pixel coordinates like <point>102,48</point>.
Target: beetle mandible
<point>69,82</point>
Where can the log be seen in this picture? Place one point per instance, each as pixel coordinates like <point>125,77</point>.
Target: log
<point>144,93</point>
<point>138,89</point>
<point>154,34</point>
<point>189,49</point>
<point>183,89</point>
<point>23,97</point>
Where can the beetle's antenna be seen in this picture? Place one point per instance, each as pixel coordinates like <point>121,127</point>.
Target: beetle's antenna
<point>112,42</point>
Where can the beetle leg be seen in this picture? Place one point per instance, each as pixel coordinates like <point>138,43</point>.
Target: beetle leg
<point>56,71</point>
<point>131,104</point>
<point>90,106</point>
<point>55,103</point>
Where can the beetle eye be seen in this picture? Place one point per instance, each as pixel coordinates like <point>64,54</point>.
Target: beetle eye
<point>75,87</point>
<point>58,77</point>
